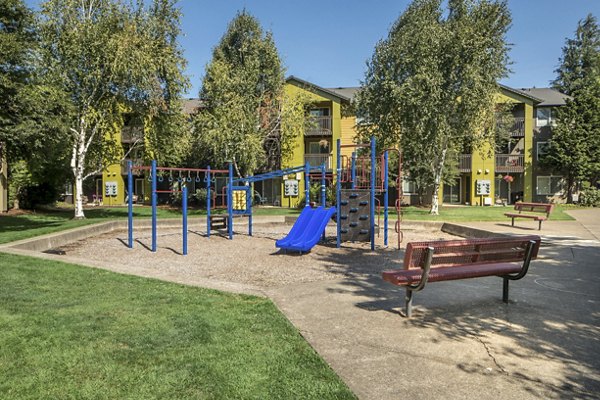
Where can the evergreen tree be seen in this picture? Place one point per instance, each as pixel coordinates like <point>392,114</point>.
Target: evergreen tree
<point>574,149</point>
<point>430,86</point>
<point>241,93</point>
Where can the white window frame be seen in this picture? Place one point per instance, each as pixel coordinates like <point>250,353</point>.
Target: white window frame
<point>549,177</point>
<point>538,152</point>
<point>408,184</point>
<point>539,122</point>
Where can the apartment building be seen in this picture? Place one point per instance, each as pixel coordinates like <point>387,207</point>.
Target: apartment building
<point>509,174</point>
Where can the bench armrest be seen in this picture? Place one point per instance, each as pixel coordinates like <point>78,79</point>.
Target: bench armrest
<point>526,261</point>
<point>426,267</point>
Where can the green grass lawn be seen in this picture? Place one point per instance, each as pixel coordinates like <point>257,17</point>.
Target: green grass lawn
<point>17,227</point>
<point>74,332</point>
<point>473,214</point>
<point>28,225</point>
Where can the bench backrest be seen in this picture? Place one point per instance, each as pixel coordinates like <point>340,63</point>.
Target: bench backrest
<point>470,251</point>
<point>534,207</point>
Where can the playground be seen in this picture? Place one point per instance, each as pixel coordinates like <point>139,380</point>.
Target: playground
<point>252,263</point>
<point>543,344</point>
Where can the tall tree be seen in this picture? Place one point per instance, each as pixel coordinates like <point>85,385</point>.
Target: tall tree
<point>430,86</point>
<point>110,57</point>
<point>241,93</point>
<point>31,113</point>
<point>574,147</point>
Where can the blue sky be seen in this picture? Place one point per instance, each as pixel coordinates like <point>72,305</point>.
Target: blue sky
<point>327,42</point>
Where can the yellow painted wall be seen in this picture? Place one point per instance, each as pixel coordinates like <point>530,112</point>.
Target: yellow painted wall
<point>113,174</point>
<point>297,156</point>
<point>348,134</point>
<point>528,186</point>
<point>482,167</point>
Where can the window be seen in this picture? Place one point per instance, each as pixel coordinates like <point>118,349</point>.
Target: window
<point>544,117</point>
<point>408,187</point>
<point>542,149</point>
<point>549,185</point>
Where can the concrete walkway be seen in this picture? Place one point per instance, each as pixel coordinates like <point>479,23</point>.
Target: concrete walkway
<point>463,342</point>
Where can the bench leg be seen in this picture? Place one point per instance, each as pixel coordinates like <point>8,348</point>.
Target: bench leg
<point>408,299</point>
<point>513,222</point>
<point>505,290</point>
<point>540,228</point>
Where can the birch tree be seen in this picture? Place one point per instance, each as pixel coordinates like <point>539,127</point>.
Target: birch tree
<point>430,85</point>
<point>111,57</point>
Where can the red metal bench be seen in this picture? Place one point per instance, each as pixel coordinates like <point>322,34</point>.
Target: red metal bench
<point>446,260</point>
<point>541,212</point>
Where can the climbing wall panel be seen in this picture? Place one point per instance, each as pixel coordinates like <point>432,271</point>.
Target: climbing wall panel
<point>354,215</point>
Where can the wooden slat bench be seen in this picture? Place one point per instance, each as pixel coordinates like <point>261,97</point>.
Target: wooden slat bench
<point>446,260</point>
<point>536,211</point>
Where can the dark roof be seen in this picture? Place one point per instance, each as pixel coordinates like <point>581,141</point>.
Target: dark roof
<point>191,106</point>
<point>316,87</point>
<point>347,92</point>
<point>521,93</point>
<point>548,96</point>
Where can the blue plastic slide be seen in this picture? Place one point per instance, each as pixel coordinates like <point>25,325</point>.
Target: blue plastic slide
<point>299,226</point>
<point>307,230</point>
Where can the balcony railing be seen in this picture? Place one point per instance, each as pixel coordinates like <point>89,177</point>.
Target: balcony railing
<point>464,163</point>
<point>131,134</point>
<point>510,163</point>
<point>518,128</point>
<point>136,162</point>
<point>319,126</point>
<point>318,159</point>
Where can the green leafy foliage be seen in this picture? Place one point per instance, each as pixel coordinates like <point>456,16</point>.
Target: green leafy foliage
<point>590,197</point>
<point>241,94</point>
<point>31,111</point>
<point>110,57</point>
<point>575,144</point>
<point>430,86</point>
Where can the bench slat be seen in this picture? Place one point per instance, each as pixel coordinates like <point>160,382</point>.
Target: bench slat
<point>438,274</point>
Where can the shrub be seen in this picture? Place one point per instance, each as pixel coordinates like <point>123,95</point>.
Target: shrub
<point>590,197</point>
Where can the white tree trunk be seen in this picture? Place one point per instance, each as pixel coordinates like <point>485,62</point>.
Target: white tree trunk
<point>77,166</point>
<point>437,173</point>
<point>435,201</point>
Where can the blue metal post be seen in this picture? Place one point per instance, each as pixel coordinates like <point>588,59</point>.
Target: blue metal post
<point>323,193</point>
<point>184,196</point>
<point>353,170</point>
<point>154,201</point>
<point>386,196</point>
<point>230,202</point>
<point>208,200</point>
<point>323,186</point>
<point>129,205</point>
<point>249,207</point>
<point>373,168</point>
<point>307,184</point>
<point>338,193</point>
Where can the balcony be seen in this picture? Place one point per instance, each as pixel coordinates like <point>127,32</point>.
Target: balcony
<point>136,162</point>
<point>518,127</point>
<point>132,134</point>
<point>316,160</point>
<point>464,163</point>
<point>319,126</point>
<point>510,163</point>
